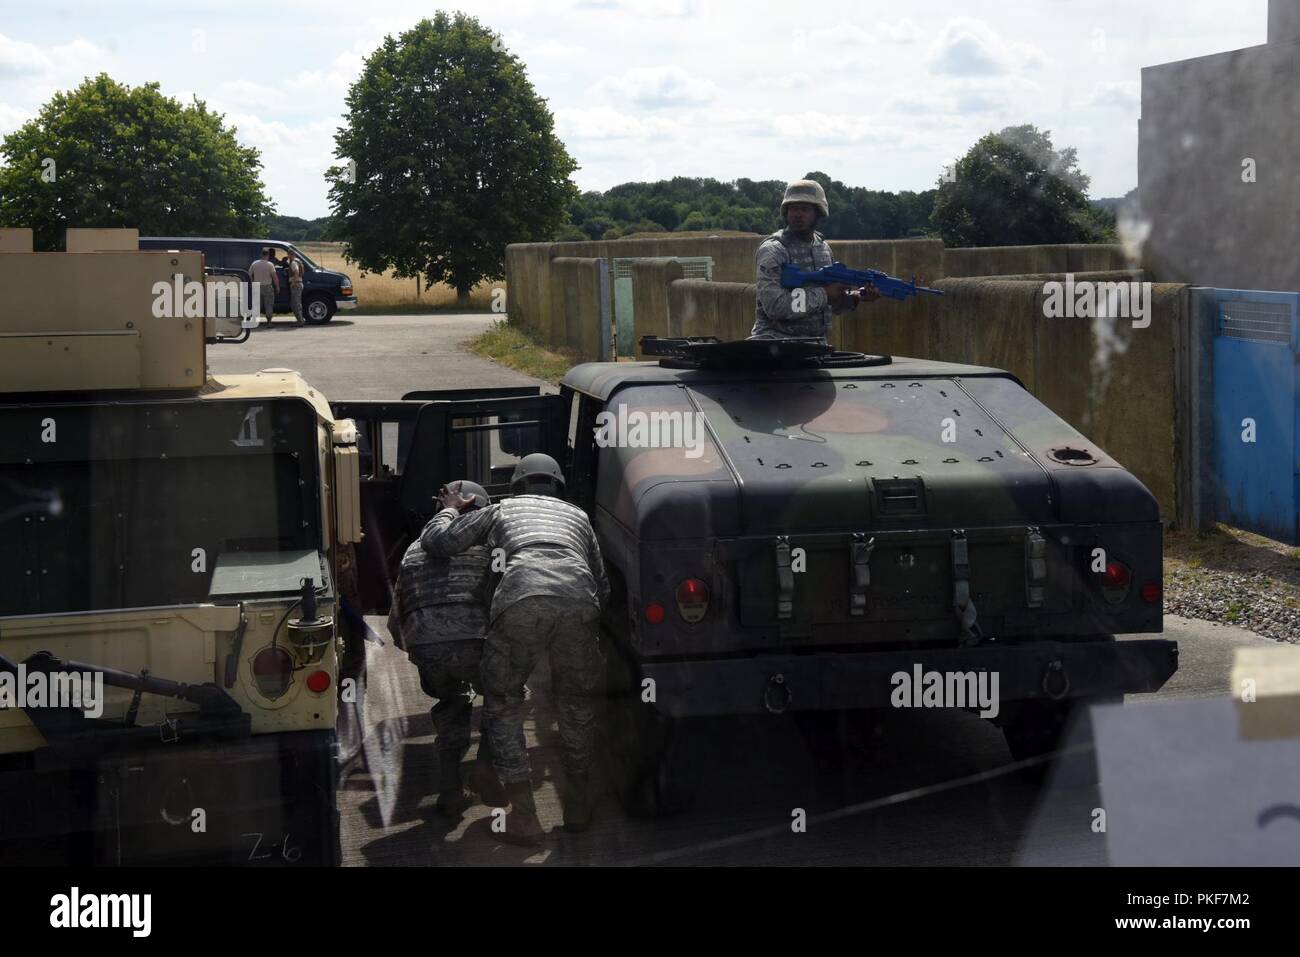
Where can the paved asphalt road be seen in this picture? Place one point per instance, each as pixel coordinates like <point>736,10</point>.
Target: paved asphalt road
<point>371,357</point>
<point>915,787</point>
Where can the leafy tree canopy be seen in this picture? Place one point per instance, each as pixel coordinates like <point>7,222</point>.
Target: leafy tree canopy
<point>109,155</point>
<point>448,155</point>
<point>1015,188</point>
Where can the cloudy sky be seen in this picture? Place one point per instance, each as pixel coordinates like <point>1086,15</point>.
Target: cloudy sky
<point>875,94</point>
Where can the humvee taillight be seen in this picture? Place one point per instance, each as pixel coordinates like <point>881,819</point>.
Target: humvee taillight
<point>318,681</point>
<point>692,599</point>
<point>272,672</point>
<point>1151,592</point>
<point>1115,582</point>
<point>654,613</point>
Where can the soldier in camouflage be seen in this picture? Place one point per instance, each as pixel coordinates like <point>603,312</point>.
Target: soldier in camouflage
<point>790,313</point>
<point>439,616</point>
<point>548,601</point>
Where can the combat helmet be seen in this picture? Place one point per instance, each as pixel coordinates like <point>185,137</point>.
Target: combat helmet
<point>806,191</point>
<point>534,469</point>
<point>466,487</point>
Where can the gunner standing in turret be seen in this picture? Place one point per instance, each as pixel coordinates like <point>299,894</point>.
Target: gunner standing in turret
<point>790,313</point>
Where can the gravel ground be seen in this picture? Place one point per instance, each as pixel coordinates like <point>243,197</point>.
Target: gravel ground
<point>1234,577</point>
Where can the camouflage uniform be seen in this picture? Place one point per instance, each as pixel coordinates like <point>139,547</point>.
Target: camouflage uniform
<point>549,599</point>
<point>439,616</point>
<point>775,316</point>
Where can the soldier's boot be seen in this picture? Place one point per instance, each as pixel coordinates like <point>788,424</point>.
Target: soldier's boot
<point>577,803</point>
<point>452,797</point>
<point>522,826</point>
<point>484,781</point>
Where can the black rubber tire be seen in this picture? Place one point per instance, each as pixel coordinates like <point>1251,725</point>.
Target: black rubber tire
<point>1038,728</point>
<point>318,309</point>
<point>652,763</point>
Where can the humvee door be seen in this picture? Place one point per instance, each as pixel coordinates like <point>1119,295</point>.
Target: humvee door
<point>410,448</point>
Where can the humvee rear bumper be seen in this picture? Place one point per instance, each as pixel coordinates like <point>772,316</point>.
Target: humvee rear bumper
<point>827,681</point>
<point>262,800</point>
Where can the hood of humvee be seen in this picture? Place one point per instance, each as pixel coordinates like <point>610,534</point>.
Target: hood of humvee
<point>907,453</point>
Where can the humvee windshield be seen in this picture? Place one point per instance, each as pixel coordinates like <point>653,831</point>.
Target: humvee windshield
<point>130,505</point>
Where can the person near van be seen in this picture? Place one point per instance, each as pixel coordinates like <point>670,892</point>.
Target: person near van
<point>293,271</point>
<point>263,273</point>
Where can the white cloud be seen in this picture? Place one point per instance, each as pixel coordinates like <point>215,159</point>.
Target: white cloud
<point>80,57</point>
<point>968,47</point>
<point>656,87</point>
<point>11,118</point>
<point>343,71</point>
<point>245,95</point>
<point>663,9</point>
<point>606,123</point>
<point>1120,96</point>
<point>17,58</point>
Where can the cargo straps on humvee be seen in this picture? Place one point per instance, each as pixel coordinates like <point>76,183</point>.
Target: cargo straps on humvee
<point>859,572</point>
<point>784,579</point>
<point>961,600</point>
<point>1035,566</point>
<point>859,575</point>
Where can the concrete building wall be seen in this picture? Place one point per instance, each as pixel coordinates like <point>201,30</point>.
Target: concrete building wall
<point>1201,120</point>
<point>530,276</point>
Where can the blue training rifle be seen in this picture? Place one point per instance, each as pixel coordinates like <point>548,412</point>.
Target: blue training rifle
<point>792,277</point>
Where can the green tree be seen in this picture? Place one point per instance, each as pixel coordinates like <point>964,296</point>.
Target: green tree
<point>694,221</point>
<point>1014,188</point>
<point>455,156</point>
<point>109,155</point>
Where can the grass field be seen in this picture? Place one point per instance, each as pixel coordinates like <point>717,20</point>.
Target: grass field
<point>512,347</point>
<point>376,293</point>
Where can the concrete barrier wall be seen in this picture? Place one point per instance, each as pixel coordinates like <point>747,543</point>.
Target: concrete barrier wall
<point>529,276</point>
<point>650,282</point>
<point>1019,260</point>
<point>697,307</point>
<point>573,319</point>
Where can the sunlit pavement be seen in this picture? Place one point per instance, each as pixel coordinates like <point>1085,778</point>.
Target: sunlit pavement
<point>893,788</point>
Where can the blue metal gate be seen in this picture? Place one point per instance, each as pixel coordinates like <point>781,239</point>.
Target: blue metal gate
<point>1257,411</point>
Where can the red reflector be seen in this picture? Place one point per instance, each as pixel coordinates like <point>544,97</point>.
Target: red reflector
<point>654,613</point>
<point>318,681</point>
<point>1151,592</point>
<point>1116,575</point>
<point>692,592</point>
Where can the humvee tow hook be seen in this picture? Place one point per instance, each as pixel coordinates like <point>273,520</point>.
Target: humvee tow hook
<point>776,696</point>
<point>1056,682</point>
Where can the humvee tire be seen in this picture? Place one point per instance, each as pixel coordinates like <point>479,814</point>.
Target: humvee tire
<point>653,764</point>
<point>1038,728</point>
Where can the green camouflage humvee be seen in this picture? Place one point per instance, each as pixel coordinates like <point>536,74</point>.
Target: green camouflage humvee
<point>788,530</point>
